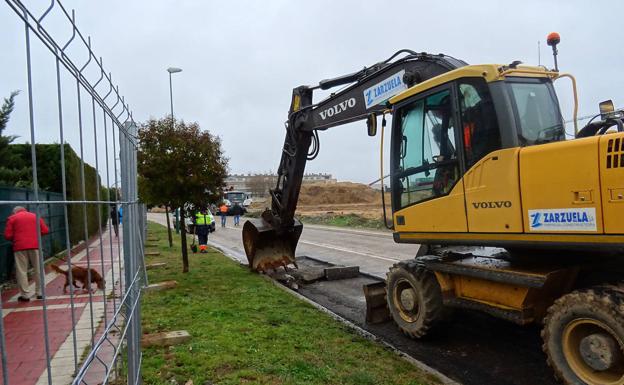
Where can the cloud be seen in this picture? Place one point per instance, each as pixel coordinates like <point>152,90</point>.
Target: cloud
<point>240,61</point>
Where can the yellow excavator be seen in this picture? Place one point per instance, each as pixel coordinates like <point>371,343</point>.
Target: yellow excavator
<point>512,218</point>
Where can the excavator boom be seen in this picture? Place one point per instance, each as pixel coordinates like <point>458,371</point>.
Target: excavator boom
<point>271,240</point>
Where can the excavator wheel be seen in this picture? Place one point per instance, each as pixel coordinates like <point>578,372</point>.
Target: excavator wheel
<point>584,336</point>
<point>414,299</point>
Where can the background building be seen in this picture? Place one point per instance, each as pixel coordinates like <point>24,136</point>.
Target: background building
<point>258,185</point>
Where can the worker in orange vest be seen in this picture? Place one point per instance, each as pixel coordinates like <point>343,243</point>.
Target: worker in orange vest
<point>223,210</point>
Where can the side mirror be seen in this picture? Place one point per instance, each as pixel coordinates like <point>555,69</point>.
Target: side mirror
<point>371,124</point>
<point>606,108</point>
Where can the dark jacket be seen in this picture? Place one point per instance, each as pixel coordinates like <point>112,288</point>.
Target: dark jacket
<point>114,216</point>
<point>237,210</point>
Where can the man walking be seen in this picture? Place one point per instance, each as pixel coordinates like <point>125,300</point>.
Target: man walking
<point>223,211</point>
<point>21,230</point>
<point>237,211</point>
<point>115,219</point>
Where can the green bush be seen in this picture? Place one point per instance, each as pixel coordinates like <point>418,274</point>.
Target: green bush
<point>18,172</point>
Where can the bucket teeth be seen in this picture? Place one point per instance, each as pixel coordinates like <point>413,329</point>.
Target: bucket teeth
<point>268,248</point>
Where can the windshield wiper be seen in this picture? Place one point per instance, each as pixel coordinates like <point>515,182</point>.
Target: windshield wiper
<point>554,133</point>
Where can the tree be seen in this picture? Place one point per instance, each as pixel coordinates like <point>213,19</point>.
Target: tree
<point>5,112</point>
<point>6,109</point>
<point>259,185</point>
<point>13,171</point>
<point>180,166</point>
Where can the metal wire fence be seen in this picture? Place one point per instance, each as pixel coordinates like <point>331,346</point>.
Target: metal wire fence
<point>73,334</point>
<point>52,214</point>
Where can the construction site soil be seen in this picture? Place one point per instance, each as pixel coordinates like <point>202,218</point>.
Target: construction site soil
<point>341,198</point>
<point>338,193</point>
<point>330,199</point>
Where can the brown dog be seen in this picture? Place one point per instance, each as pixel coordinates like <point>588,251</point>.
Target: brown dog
<point>81,274</point>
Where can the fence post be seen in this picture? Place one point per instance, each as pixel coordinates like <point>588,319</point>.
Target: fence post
<point>132,247</point>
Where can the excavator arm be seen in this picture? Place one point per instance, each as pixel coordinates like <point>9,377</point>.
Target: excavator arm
<point>271,240</point>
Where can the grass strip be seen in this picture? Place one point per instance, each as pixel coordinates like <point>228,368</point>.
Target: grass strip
<point>246,331</point>
<point>340,220</point>
<point>344,220</point>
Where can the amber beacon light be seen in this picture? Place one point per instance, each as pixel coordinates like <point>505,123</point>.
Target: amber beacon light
<point>552,40</point>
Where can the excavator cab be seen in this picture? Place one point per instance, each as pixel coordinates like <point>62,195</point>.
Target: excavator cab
<point>446,125</point>
<point>479,156</point>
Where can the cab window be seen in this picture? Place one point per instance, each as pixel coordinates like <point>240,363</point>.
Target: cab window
<point>537,112</point>
<point>479,125</point>
<point>426,163</point>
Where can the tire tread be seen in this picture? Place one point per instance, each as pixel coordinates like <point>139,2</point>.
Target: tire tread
<point>435,310</point>
<point>607,299</point>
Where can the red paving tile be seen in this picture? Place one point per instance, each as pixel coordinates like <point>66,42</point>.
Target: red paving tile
<point>25,340</point>
<point>24,330</point>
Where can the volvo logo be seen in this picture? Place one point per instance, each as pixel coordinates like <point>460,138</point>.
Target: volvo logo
<point>491,205</point>
<point>337,109</point>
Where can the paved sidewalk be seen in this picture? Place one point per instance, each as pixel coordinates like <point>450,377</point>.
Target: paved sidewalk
<point>68,340</point>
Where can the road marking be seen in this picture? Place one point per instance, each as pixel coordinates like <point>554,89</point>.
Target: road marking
<point>332,247</point>
<point>335,229</point>
<point>349,251</point>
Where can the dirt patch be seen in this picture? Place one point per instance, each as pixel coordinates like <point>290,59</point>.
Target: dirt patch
<point>342,198</point>
<point>223,370</point>
<point>369,211</point>
<point>338,193</point>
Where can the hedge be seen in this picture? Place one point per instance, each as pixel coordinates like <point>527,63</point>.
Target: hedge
<point>49,178</point>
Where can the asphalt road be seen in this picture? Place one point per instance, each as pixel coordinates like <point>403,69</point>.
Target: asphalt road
<point>373,251</point>
<point>473,348</point>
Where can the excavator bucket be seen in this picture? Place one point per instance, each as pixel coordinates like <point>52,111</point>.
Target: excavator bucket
<point>267,247</point>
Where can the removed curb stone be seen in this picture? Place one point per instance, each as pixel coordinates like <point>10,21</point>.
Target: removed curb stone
<point>310,275</point>
<point>155,265</point>
<point>152,253</point>
<point>161,286</point>
<point>284,278</point>
<point>165,339</point>
<point>338,272</point>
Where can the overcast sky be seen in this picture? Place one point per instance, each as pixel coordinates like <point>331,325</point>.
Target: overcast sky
<point>241,59</point>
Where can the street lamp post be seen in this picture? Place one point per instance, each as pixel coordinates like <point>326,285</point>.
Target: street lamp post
<point>172,70</point>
